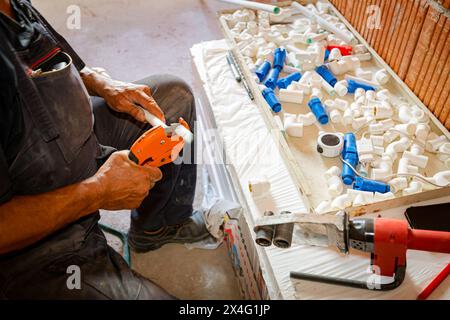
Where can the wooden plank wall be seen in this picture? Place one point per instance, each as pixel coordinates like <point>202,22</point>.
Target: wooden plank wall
<point>413,38</point>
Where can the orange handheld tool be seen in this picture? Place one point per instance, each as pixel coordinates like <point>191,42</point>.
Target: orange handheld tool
<point>161,144</point>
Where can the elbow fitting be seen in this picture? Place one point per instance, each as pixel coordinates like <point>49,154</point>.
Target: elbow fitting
<point>397,146</point>
<point>292,127</point>
<point>307,119</point>
<point>407,128</point>
<point>398,184</point>
<point>417,160</point>
<point>434,144</point>
<point>414,187</point>
<point>384,169</point>
<point>333,171</point>
<point>442,178</point>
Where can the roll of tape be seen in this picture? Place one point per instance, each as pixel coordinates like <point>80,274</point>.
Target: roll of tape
<point>330,144</point>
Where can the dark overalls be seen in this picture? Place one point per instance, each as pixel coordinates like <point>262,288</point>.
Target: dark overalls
<point>64,143</point>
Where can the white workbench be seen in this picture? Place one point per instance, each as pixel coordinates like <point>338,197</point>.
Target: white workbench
<point>248,149</point>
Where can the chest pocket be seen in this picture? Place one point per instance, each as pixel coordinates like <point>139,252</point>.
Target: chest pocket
<point>67,101</point>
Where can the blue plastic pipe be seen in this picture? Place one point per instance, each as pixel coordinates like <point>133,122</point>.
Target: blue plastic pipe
<point>272,100</point>
<point>263,70</point>
<point>318,110</point>
<point>272,78</point>
<point>353,85</point>
<point>371,185</point>
<point>283,83</point>
<point>349,154</point>
<point>278,58</point>
<point>327,75</point>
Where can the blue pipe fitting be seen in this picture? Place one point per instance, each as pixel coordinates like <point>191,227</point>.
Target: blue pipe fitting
<point>272,100</point>
<point>319,111</point>
<point>263,70</point>
<point>283,83</point>
<point>272,78</point>
<point>362,184</point>
<point>327,75</point>
<point>353,85</point>
<point>278,58</point>
<point>349,154</point>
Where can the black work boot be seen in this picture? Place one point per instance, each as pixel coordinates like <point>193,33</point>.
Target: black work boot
<point>192,230</point>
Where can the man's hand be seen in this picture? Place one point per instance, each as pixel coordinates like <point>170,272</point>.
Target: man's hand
<point>123,184</point>
<point>122,96</point>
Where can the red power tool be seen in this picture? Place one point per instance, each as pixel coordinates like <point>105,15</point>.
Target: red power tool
<point>387,240</point>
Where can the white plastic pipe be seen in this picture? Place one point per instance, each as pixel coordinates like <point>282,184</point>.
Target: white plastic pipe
<point>255,5</point>
<point>398,184</point>
<point>333,171</point>
<point>347,37</point>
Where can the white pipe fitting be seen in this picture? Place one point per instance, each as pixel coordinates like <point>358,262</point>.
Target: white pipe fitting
<point>341,202</point>
<point>291,125</point>
<point>434,144</point>
<point>384,95</point>
<point>291,96</point>
<point>444,152</point>
<point>335,116</point>
<point>348,116</point>
<point>414,187</point>
<point>323,207</point>
<point>365,150</point>
<point>384,110</point>
<point>343,66</point>
<point>397,146</point>
<point>398,184</point>
<point>382,76</point>
<point>422,131</point>
<point>360,198</point>
<point>359,93</point>
<point>341,88</point>
<point>377,197</point>
<point>358,123</point>
<point>407,128</point>
<point>441,178</point>
<point>307,119</point>
<point>390,136</point>
<point>335,54</point>
<point>381,127</point>
<point>333,171</point>
<point>335,186</point>
<point>377,141</point>
<point>404,167</point>
<point>417,160</point>
<point>384,169</point>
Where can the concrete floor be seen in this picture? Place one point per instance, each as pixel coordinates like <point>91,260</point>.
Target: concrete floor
<point>132,39</point>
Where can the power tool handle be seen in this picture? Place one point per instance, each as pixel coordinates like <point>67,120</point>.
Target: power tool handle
<point>427,240</point>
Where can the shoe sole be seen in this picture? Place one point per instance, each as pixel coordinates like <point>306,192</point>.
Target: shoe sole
<point>143,248</point>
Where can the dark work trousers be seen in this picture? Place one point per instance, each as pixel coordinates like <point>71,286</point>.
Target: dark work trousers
<point>170,201</point>
<point>47,270</point>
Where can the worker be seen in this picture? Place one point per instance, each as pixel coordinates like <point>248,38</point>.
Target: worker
<point>63,156</point>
